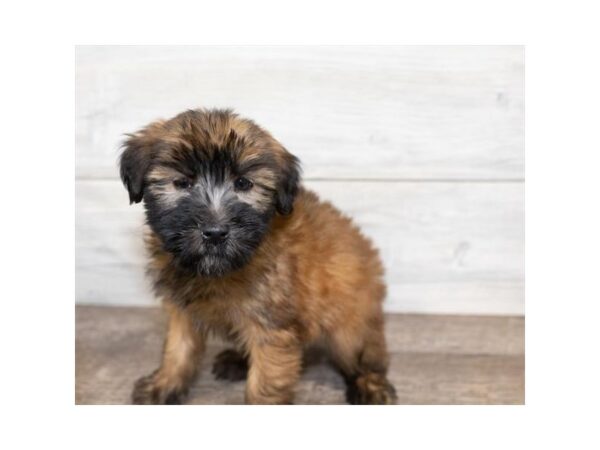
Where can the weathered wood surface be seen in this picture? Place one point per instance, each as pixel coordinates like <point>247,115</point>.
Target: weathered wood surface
<point>449,112</point>
<point>434,360</point>
<point>447,247</point>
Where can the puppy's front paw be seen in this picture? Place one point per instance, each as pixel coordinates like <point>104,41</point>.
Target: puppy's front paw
<point>149,390</point>
<point>371,389</point>
<point>230,365</point>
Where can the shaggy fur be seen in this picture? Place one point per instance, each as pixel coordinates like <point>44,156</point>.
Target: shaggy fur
<point>238,248</point>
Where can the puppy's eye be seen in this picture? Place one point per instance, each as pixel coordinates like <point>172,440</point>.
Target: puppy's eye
<point>182,183</point>
<point>242,184</point>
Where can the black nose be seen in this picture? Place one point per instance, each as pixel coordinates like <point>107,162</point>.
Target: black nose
<point>215,234</point>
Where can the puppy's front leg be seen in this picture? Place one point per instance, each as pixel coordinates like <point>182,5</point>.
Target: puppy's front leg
<point>183,349</point>
<point>275,364</point>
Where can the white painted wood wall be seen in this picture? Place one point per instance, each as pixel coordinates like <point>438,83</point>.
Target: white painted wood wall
<point>423,146</point>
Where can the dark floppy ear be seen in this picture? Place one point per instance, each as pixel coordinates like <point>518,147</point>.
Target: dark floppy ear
<point>288,184</point>
<point>135,161</point>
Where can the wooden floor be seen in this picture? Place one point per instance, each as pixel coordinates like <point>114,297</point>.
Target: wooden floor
<point>434,360</point>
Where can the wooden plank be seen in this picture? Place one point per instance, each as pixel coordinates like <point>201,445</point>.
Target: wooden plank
<point>456,334</point>
<point>441,112</point>
<point>447,247</point>
<point>445,360</point>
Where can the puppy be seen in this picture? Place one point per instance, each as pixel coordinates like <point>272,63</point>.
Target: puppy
<point>239,248</point>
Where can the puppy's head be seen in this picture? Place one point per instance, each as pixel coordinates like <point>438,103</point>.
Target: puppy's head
<point>211,183</point>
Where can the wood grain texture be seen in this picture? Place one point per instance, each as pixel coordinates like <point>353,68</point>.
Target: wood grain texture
<point>433,112</point>
<point>434,360</point>
<point>447,247</point>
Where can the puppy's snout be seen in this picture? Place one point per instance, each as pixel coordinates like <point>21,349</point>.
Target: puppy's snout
<point>215,233</point>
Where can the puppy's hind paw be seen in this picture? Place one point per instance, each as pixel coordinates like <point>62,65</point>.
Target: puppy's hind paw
<point>371,389</point>
<point>230,365</point>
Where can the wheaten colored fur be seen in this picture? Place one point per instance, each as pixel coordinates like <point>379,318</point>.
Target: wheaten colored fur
<point>314,279</point>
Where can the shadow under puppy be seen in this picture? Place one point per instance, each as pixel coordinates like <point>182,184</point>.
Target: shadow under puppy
<point>237,247</point>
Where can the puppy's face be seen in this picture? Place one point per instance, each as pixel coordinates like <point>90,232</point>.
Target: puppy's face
<point>211,183</point>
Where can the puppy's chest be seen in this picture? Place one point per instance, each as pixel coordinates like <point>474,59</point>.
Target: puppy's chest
<point>219,302</point>
<point>227,309</point>
<point>259,296</point>
<point>240,312</point>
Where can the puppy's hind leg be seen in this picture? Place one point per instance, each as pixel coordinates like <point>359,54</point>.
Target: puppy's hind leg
<point>363,361</point>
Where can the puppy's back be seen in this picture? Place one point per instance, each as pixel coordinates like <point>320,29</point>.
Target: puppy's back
<point>338,275</point>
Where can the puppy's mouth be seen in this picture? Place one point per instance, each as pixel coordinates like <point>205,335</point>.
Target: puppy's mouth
<point>211,257</point>
<point>215,248</point>
<point>203,244</point>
